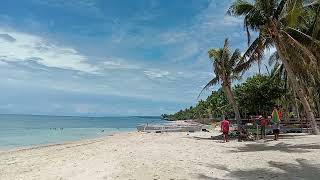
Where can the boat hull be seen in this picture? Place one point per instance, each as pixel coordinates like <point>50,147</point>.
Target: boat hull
<point>168,128</point>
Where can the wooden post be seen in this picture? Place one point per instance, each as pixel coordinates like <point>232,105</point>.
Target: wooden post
<point>257,131</point>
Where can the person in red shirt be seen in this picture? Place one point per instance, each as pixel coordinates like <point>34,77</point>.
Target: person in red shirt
<point>225,124</point>
<point>263,123</point>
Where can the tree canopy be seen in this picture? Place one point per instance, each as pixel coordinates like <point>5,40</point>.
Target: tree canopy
<point>257,95</point>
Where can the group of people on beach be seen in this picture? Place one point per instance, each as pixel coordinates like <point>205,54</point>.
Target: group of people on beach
<point>274,120</point>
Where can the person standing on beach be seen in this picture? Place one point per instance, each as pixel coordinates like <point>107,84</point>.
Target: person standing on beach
<point>225,124</point>
<point>276,115</point>
<point>276,130</point>
<point>276,123</point>
<point>263,123</point>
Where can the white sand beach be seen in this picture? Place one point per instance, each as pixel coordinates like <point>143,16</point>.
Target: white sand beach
<point>166,156</point>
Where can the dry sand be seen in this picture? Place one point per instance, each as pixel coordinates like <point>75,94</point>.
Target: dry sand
<point>166,156</point>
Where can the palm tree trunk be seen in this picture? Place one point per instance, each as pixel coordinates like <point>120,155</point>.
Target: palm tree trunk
<point>227,90</point>
<point>317,100</point>
<point>297,108</point>
<point>285,113</point>
<point>296,86</point>
<point>318,107</point>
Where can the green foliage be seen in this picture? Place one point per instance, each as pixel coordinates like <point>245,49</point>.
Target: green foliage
<point>224,64</point>
<point>218,104</point>
<point>257,94</point>
<point>291,25</point>
<point>215,105</point>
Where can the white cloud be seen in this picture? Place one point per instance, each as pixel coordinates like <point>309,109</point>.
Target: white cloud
<point>156,73</point>
<point>3,63</point>
<point>118,63</point>
<point>184,51</point>
<point>111,63</point>
<point>32,47</point>
<point>7,37</point>
<point>174,72</point>
<point>173,37</point>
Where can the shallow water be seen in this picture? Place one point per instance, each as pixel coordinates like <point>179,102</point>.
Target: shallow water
<point>28,130</point>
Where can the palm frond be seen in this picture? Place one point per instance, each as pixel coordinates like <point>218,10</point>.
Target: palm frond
<point>302,37</point>
<point>312,3</point>
<point>309,42</point>
<point>240,8</point>
<point>294,12</point>
<point>274,58</point>
<point>213,53</point>
<point>252,48</point>
<point>277,70</point>
<point>315,28</point>
<point>305,70</point>
<point>279,9</point>
<point>211,83</point>
<point>253,54</point>
<point>266,7</point>
<point>252,17</point>
<point>235,58</point>
<point>286,8</point>
<point>299,47</point>
<point>246,27</point>
<point>236,76</point>
<point>226,50</point>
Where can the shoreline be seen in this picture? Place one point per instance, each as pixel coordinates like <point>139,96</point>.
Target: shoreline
<point>22,148</point>
<point>25,148</point>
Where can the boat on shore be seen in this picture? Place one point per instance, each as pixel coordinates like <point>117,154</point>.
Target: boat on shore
<point>185,126</point>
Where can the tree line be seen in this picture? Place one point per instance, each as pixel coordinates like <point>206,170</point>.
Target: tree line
<point>292,27</point>
<point>257,95</point>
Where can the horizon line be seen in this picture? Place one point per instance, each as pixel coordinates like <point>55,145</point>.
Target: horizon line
<point>84,116</point>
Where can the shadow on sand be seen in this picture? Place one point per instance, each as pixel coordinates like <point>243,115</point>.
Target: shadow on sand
<point>276,170</point>
<point>266,146</point>
<point>283,147</point>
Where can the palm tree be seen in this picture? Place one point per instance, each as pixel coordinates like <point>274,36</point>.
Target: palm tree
<point>311,26</point>
<point>276,22</point>
<point>313,90</point>
<point>224,63</point>
<point>280,74</point>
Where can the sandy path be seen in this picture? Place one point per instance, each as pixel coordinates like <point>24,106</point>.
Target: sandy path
<point>166,156</point>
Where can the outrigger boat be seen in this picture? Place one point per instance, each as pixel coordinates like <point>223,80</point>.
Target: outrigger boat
<point>170,127</point>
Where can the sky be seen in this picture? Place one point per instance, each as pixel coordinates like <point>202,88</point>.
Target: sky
<point>105,58</point>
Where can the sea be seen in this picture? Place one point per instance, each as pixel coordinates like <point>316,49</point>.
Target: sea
<point>23,131</point>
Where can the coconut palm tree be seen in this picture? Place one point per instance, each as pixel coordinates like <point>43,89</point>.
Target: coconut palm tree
<point>276,22</point>
<point>313,90</point>
<point>310,26</point>
<point>224,63</point>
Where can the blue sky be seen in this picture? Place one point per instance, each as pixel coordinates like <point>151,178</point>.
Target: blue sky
<point>115,57</point>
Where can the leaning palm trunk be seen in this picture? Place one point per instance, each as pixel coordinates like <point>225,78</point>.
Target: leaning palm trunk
<point>317,100</point>
<point>318,107</point>
<point>297,109</point>
<point>227,90</point>
<point>296,86</point>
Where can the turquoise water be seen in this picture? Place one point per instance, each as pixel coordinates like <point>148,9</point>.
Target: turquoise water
<point>28,130</point>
